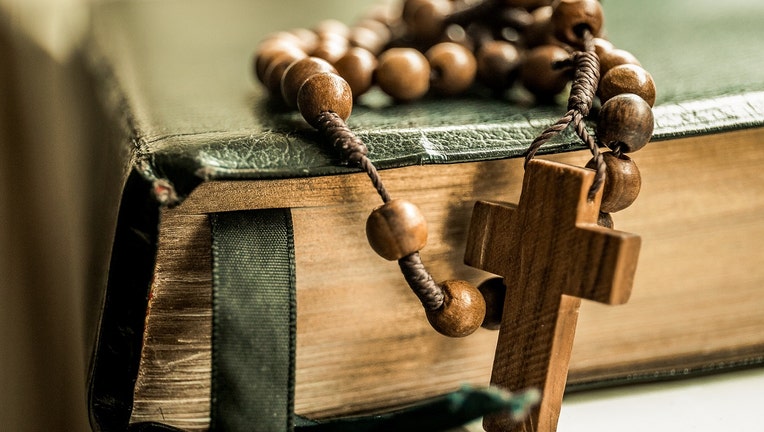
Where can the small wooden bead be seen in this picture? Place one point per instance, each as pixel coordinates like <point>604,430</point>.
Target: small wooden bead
<point>456,34</point>
<point>601,46</point>
<point>396,229</point>
<point>615,57</point>
<point>371,35</point>
<point>571,17</point>
<point>622,182</point>
<point>357,66</point>
<point>628,78</point>
<point>275,72</point>
<point>538,75</point>
<point>297,73</point>
<point>324,92</point>
<point>332,26</point>
<point>331,47</point>
<point>539,32</point>
<point>308,39</point>
<point>494,293</point>
<point>384,13</point>
<point>497,64</point>
<point>268,50</point>
<point>462,312</point>
<point>454,68</point>
<point>528,4</point>
<point>425,19</point>
<point>403,73</point>
<point>625,122</point>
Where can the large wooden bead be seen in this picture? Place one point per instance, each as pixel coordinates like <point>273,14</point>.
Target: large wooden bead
<point>296,74</point>
<point>571,17</point>
<point>538,74</point>
<point>454,68</point>
<point>324,92</point>
<point>403,73</point>
<point>396,229</point>
<point>622,182</point>
<point>462,312</point>
<point>628,78</point>
<point>615,57</point>
<point>357,66</point>
<point>625,122</point>
<point>497,64</point>
<point>494,293</point>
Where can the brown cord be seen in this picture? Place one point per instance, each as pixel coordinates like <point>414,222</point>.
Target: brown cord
<point>351,148</point>
<point>353,151</point>
<point>421,282</point>
<point>582,91</point>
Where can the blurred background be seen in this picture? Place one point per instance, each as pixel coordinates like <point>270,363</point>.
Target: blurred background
<point>45,202</point>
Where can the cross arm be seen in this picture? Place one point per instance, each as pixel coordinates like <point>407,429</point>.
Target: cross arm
<point>488,238</point>
<point>607,266</point>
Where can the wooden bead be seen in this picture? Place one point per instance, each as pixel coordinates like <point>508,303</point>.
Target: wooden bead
<point>370,35</point>
<point>539,31</point>
<point>331,47</point>
<point>425,19</point>
<point>275,72</point>
<point>384,13</point>
<point>622,182</point>
<point>357,66</point>
<point>403,73</point>
<point>494,293</point>
<point>270,49</point>
<point>528,4</point>
<point>628,78</point>
<point>571,17</point>
<point>331,26</point>
<point>297,73</point>
<point>497,64</point>
<point>538,75</point>
<point>601,46</point>
<point>462,312</point>
<point>616,57</point>
<point>324,92</point>
<point>396,229</point>
<point>625,122</point>
<point>454,68</point>
<point>308,39</point>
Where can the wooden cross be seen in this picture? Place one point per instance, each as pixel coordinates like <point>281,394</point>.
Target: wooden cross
<point>551,253</point>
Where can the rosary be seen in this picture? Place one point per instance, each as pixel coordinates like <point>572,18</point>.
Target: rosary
<point>446,47</point>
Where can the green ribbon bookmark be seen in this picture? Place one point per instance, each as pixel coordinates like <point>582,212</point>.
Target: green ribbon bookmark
<point>253,321</point>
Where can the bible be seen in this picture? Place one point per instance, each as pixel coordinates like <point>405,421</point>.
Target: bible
<point>198,138</point>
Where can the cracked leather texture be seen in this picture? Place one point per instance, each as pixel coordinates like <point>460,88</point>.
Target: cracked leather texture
<point>178,74</point>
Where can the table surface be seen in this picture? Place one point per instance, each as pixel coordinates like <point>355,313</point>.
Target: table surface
<point>724,402</point>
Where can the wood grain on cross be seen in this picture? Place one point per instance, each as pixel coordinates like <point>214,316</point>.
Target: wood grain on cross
<point>551,253</point>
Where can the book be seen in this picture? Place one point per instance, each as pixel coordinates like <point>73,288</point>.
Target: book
<point>199,137</point>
